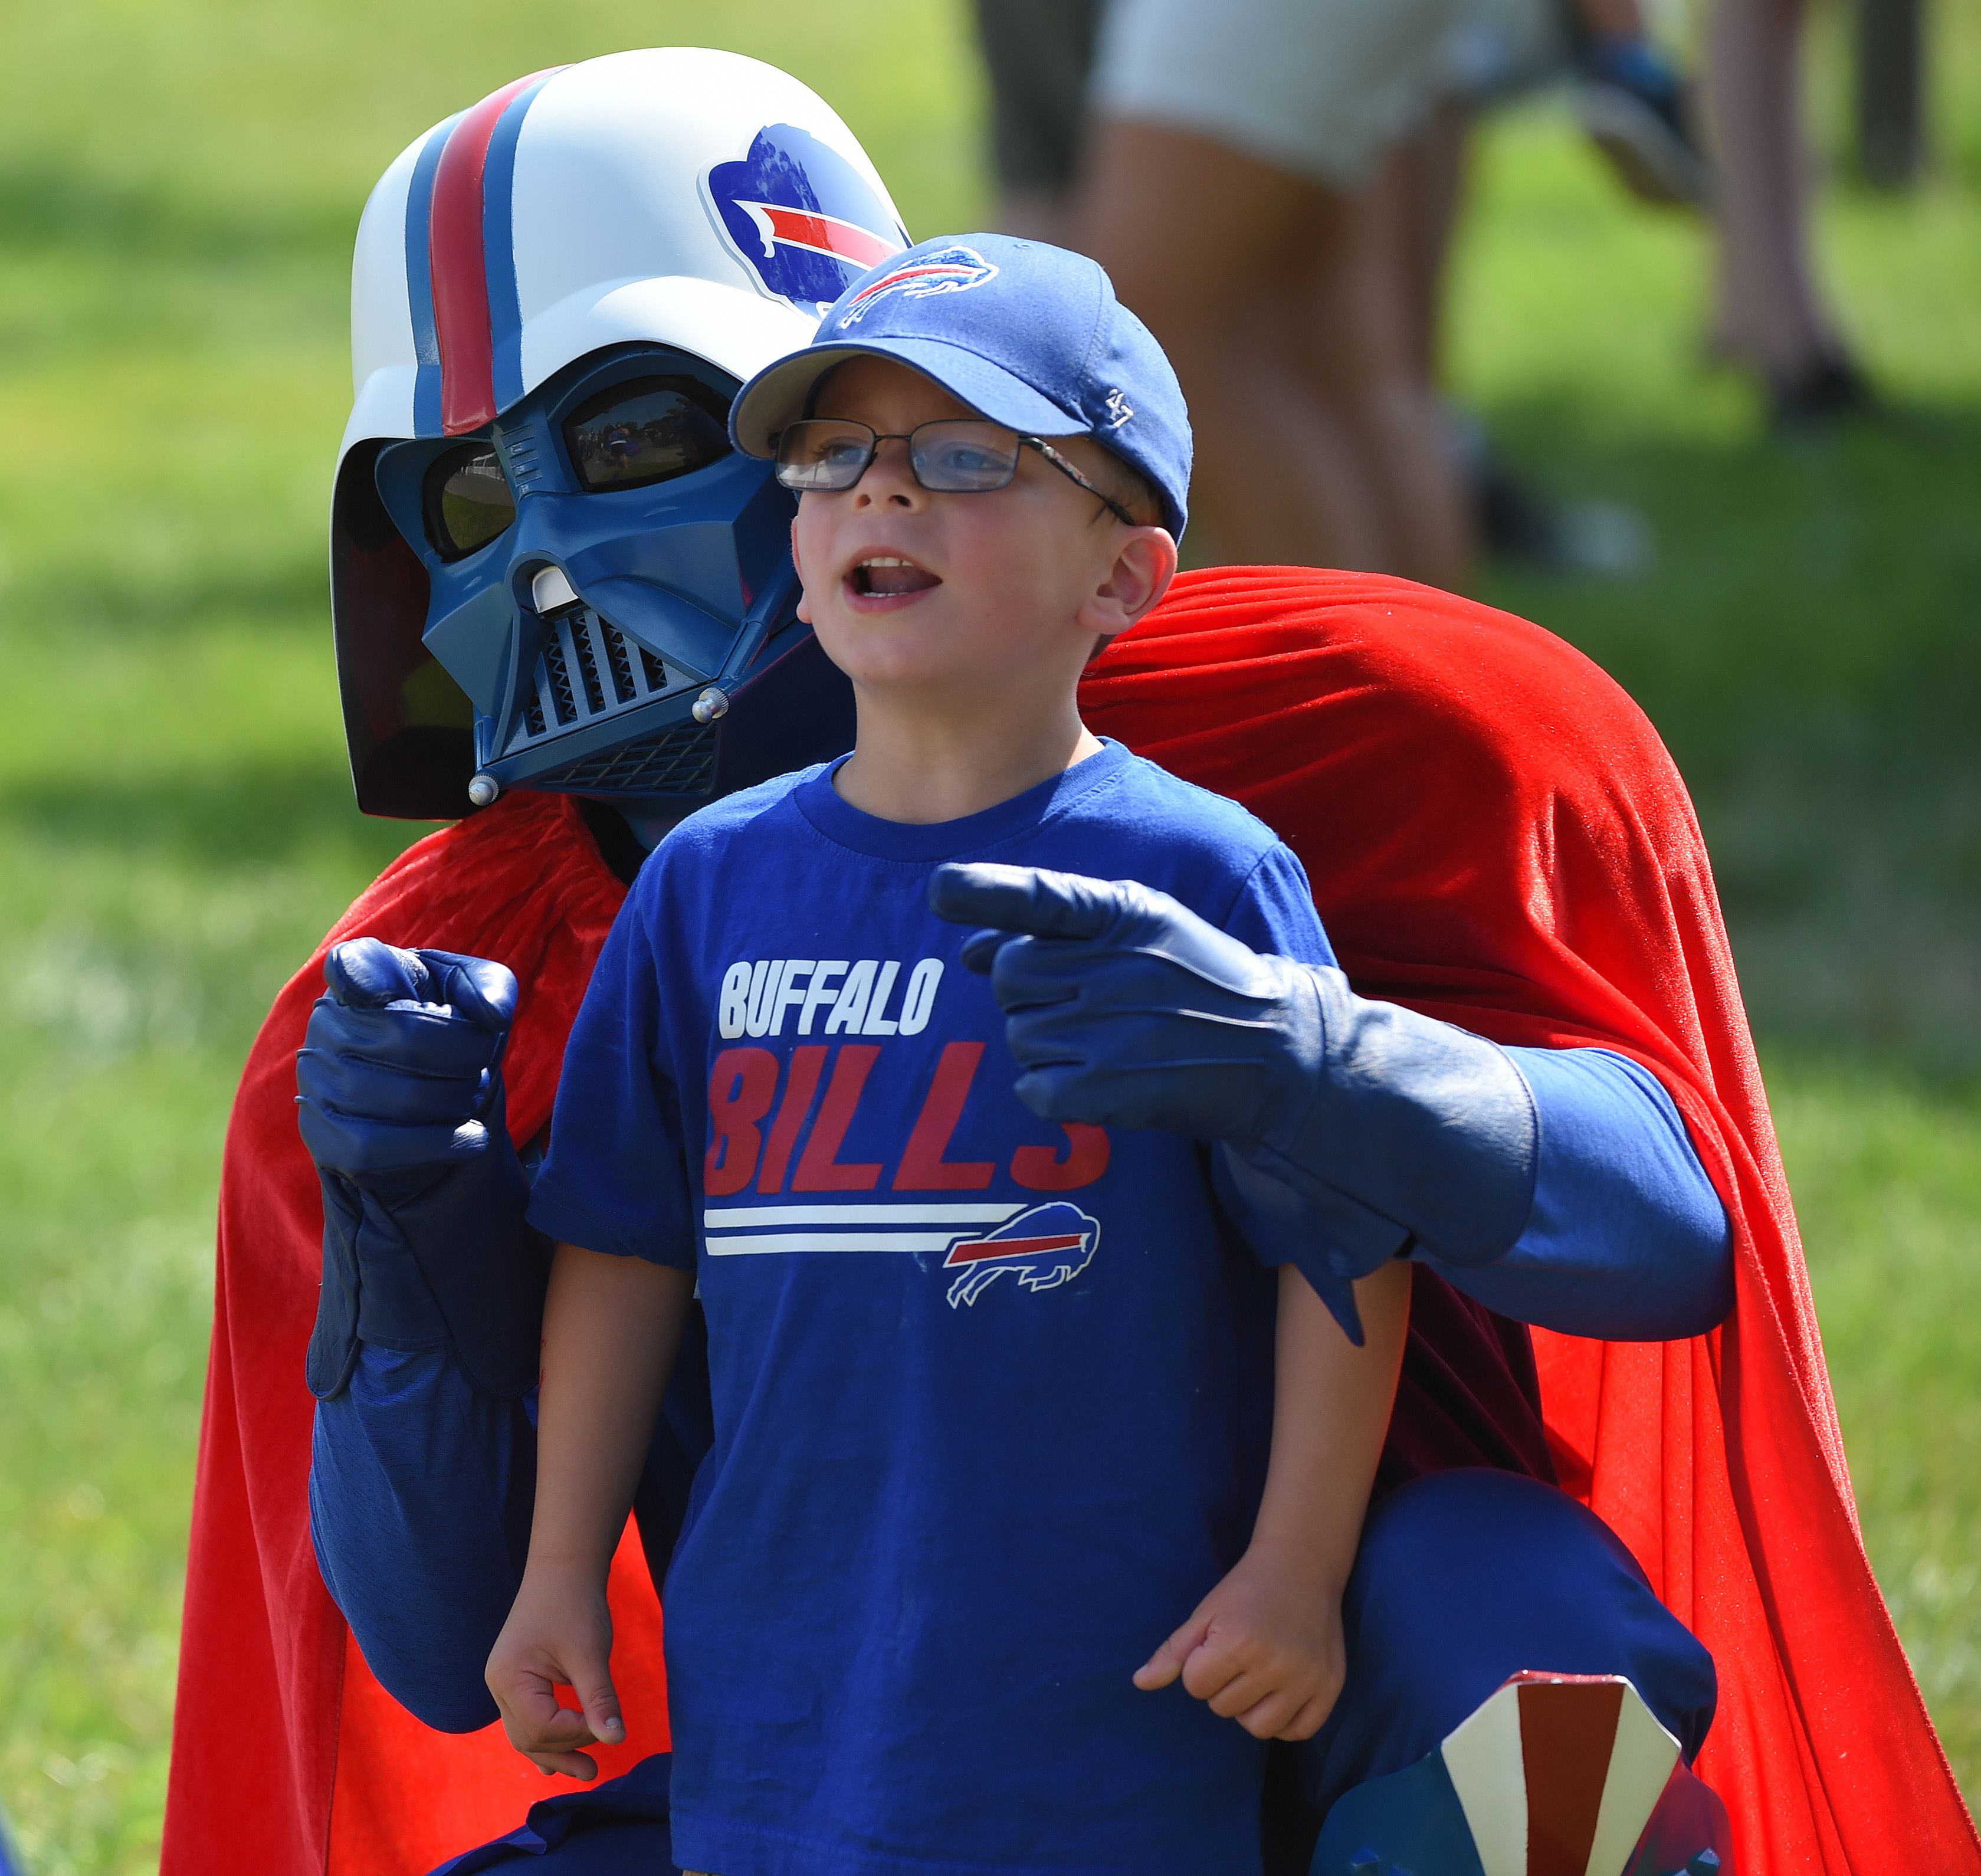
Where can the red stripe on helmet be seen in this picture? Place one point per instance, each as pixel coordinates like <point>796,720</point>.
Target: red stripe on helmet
<point>460,275</point>
<point>827,233</point>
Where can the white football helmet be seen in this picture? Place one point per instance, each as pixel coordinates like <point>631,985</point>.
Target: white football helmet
<point>511,604</point>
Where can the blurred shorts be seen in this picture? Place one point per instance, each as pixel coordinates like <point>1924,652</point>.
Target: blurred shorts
<point>1039,53</point>
<point>1320,88</point>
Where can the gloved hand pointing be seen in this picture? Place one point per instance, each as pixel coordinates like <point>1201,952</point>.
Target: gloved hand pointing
<point>1348,1130</point>
<point>1124,1007</point>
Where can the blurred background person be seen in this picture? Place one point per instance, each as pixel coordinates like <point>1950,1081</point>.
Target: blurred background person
<point>1039,54</point>
<point>1770,316</point>
<point>1263,189</point>
<point>1384,473</point>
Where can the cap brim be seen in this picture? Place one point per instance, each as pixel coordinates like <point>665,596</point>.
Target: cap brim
<point>779,393</point>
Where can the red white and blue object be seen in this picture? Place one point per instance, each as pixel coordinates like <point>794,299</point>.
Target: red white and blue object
<point>806,221</point>
<point>548,569</point>
<point>1553,1775</point>
<point>1043,1247</point>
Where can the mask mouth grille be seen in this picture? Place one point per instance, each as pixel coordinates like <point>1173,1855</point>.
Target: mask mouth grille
<point>676,761</point>
<point>589,670</point>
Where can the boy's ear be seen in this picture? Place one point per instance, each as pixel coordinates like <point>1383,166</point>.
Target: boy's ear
<point>804,605</point>
<point>1145,562</point>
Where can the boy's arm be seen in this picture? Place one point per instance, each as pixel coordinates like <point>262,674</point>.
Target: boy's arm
<point>611,1327</point>
<point>1265,1646</point>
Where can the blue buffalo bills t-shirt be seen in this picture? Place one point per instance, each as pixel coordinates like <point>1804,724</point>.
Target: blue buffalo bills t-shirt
<point>992,1395</point>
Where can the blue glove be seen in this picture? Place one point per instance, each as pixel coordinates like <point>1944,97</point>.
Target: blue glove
<point>400,1104</point>
<point>1348,1130</point>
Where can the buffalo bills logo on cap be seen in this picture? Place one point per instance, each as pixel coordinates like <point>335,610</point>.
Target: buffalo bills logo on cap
<point>1045,1247</point>
<point>802,219</point>
<point>941,270</point>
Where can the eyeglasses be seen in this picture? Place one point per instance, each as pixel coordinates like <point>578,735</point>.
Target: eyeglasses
<point>952,456</point>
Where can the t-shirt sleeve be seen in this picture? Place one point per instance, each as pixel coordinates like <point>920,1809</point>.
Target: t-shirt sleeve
<point>1274,910</point>
<point>615,1179</point>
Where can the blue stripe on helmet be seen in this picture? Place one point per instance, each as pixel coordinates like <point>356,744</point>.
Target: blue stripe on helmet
<point>498,244</point>
<point>419,281</point>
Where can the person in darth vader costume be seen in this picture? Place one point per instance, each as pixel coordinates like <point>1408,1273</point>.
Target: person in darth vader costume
<point>564,612</point>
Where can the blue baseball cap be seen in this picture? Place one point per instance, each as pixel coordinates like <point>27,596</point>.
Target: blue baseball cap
<point>1030,335</point>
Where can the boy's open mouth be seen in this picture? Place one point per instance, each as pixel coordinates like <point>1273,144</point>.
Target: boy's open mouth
<point>886,576</point>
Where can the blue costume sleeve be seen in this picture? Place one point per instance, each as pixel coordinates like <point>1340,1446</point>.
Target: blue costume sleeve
<point>1626,1238</point>
<point>421,1490</point>
<point>1557,1187</point>
<point>423,1474</point>
<point>421,1486</point>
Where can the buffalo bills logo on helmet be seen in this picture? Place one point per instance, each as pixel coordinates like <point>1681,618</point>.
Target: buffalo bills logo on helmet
<point>806,221</point>
<point>1045,1247</point>
<point>941,270</point>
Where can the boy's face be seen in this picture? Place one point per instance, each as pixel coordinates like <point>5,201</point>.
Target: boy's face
<point>990,596</point>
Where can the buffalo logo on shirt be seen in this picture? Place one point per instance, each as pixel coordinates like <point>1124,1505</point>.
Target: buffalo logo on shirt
<point>1044,1248</point>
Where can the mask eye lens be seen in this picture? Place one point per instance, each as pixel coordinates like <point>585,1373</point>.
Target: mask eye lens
<point>468,501</point>
<point>651,431</point>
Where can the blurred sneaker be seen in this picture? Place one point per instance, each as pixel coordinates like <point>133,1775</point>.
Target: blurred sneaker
<point>1517,523</point>
<point>1636,107</point>
<point>1831,388</point>
<point>1589,536</point>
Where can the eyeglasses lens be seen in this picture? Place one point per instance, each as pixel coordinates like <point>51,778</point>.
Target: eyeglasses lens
<point>821,455</point>
<point>471,503</point>
<point>965,456</point>
<point>956,456</point>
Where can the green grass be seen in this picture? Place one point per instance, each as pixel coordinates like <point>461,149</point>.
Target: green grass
<point>177,191</point>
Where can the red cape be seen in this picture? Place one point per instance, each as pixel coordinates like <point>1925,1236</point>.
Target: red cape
<point>1496,836</point>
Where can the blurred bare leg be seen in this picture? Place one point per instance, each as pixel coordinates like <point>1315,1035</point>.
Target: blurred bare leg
<point>1370,350</point>
<point>1434,163</point>
<point>1769,315</point>
<point>1620,19</point>
<point>1285,308</point>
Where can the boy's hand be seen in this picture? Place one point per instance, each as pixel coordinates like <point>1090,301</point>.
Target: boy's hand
<point>1265,1648</point>
<point>559,1633</point>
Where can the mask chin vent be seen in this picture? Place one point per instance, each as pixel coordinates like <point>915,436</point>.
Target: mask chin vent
<point>676,762</point>
<point>589,671</point>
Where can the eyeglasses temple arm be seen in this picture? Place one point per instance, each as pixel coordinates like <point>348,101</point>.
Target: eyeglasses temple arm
<point>1068,470</point>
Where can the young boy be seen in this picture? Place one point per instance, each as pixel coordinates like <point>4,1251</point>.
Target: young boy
<point>1000,1404</point>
